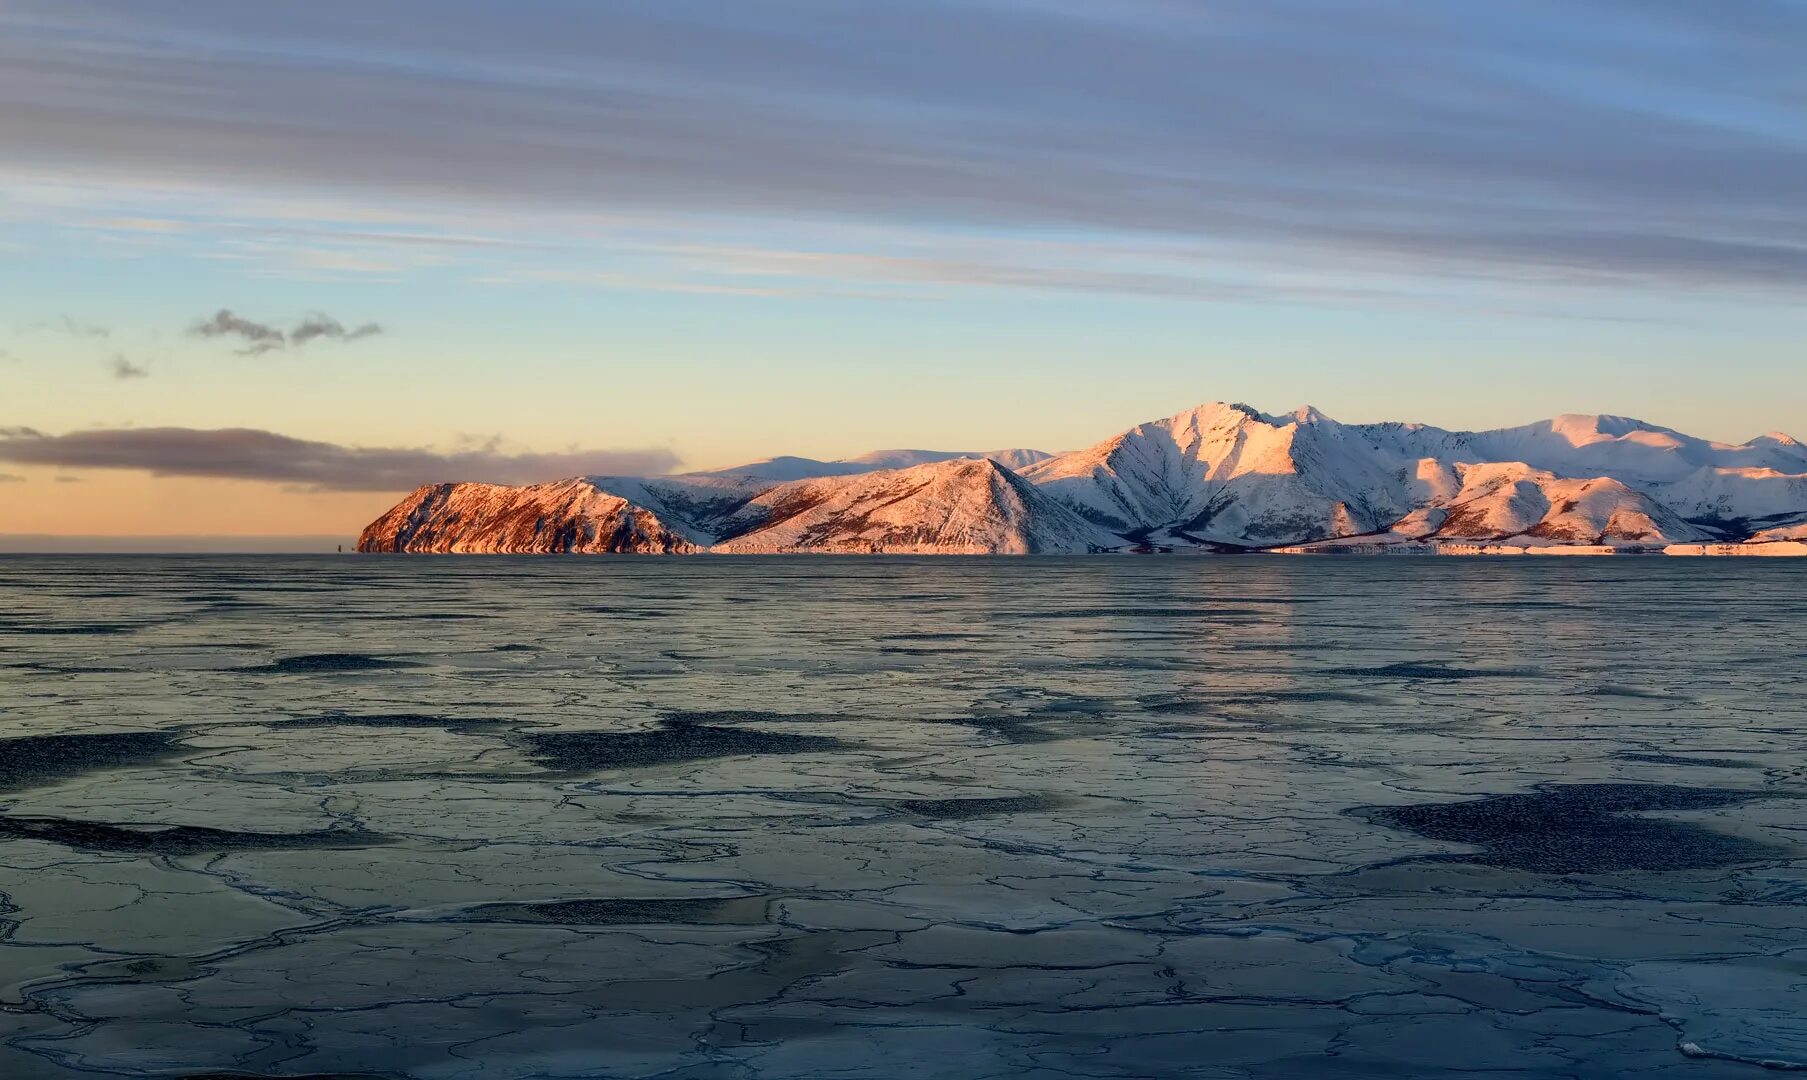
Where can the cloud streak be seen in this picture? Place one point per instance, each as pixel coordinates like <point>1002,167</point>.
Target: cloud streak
<point>124,370</point>
<point>259,338</point>
<point>1652,143</point>
<point>74,327</point>
<point>252,454</point>
<point>324,326</point>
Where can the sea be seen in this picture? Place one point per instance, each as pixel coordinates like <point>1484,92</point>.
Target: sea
<point>499,818</point>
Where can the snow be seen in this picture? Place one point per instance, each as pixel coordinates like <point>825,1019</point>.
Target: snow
<point>801,468</point>
<point>1215,476</point>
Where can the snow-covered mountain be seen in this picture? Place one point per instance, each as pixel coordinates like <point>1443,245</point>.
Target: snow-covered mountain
<point>802,468</point>
<point>967,506</point>
<point>1217,477</point>
<point>564,516</point>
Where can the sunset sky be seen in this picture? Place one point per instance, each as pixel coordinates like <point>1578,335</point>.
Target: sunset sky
<point>263,267</point>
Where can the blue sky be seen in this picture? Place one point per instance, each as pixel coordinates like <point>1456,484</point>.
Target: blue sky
<point>633,234</point>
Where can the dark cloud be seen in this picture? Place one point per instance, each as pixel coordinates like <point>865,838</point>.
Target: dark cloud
<point>123,369</point>
<point>1559,140</point>
<point>258,337</point>
<point>325,326</point>
<point>261,338</point>
<point>250,454</point>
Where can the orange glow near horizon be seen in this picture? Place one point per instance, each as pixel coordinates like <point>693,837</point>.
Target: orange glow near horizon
<point>127,503</point>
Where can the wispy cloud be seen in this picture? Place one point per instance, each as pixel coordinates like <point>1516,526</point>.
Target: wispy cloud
<point>325,326</point>
<point>1571,141</point>
<point>252,454</point>
<point>74,327</point>
<point>123,369</point>
<point>259,338</point>
<point>11,478</point>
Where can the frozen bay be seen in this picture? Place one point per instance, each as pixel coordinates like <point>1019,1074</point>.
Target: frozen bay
<point>889,817</point>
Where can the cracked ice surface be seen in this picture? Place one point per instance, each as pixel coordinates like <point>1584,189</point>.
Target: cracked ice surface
<point>719,818</point>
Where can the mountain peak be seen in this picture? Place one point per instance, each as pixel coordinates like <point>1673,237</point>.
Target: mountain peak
<point>1220,473</point>
<point>1578,427</point>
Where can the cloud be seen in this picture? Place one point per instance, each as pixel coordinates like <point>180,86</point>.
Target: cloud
<point>258,337</point>
<point>124,369</point>
<point>261,338</point>
<point>251,454</point>
<point>11,478</point>
<point>324,326</point>
<point>1654,143</point>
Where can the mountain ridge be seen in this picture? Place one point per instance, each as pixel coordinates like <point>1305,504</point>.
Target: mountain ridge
<point>1219,476</point>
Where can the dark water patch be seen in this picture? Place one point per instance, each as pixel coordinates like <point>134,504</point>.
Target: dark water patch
<point>1615,690</point>
<point>1176,708</point>
<point>1269,601</point>
<point>511,647</point>
<point>281,1076</point>
<point>1430,672</point>
<point>619,911</point>
<point>421,616</point>
<point>671,743</point>
<point>920,650</point>
<point>1135,613</point>
<point>143,969</point>
<point>47,628</point>
<point>325,664</point>
<point>174,839</point>
<point>924,637</point>
<point>626,613</point>
<point>964,809</point>
<point>751,716</point>
<point>1583,829</point>
<point>1017,730</point>
<point>414,721</point>
<point>1681,759</point>
<point>35,760</point>
<point>49,668</point>
<point>1306,697</point>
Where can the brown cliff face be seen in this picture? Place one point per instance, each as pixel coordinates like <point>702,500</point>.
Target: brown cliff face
<point>567,516</point>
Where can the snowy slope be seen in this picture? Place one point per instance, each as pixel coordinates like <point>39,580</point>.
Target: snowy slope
<point>1213,476</point>
<point>963,506</point>
<point>1513,503</point>
<point>1225,473</point>
<point>800,468</point>
<point>1229,474</point>
<point>1631,450</point>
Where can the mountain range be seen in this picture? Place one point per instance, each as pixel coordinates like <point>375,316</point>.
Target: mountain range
<point>1221,477</point>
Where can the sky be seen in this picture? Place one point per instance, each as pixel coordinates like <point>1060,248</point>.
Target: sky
<point>265,267</point>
